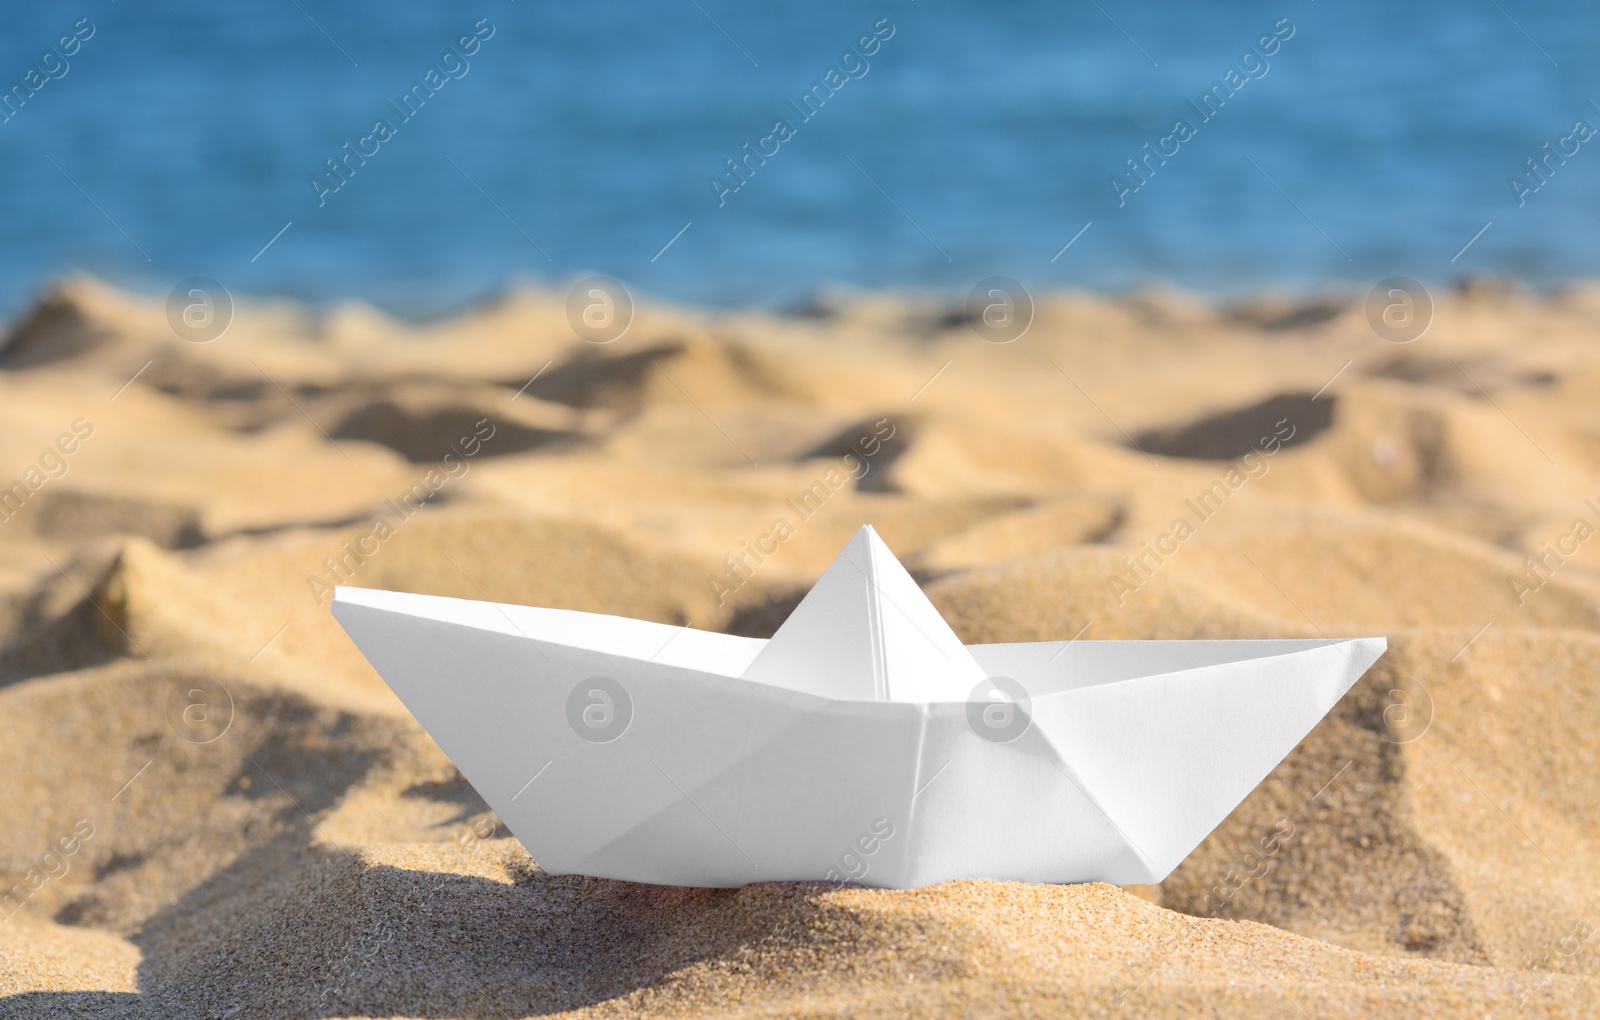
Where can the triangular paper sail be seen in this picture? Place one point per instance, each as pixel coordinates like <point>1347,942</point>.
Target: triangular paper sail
<point>866,632</point>
<point>845,748</point>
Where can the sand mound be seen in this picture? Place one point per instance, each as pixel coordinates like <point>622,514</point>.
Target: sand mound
<point>257,827</point>
<point>60,327</point>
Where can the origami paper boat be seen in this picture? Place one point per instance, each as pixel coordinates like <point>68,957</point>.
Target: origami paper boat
<point>863,742</point>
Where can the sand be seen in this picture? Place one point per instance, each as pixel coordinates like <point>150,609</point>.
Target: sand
<point>299,847</point>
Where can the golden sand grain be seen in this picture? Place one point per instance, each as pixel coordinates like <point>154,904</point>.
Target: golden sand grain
<point>1435,841</point>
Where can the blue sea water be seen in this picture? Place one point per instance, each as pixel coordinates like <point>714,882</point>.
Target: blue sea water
<point>978,140</point>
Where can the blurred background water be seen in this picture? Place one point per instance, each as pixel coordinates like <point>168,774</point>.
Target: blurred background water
<point>983,138</point>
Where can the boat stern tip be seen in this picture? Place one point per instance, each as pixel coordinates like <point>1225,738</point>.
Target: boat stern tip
<point>346,596</point>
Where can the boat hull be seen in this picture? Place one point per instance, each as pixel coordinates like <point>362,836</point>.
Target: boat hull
<point>692,776</point>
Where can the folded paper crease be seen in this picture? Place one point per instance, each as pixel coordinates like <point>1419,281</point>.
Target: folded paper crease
<point>866,631</point>
<point>845,747</point>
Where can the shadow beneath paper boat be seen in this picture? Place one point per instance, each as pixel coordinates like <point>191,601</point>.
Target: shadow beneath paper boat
<point>343,937</point>
<point>78,1005</point>
<point>380,934</point>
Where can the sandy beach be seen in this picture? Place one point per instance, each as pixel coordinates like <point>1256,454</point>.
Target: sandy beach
<point>174,516</point>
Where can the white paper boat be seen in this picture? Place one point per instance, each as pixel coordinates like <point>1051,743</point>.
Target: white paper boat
<point>863,742</point>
